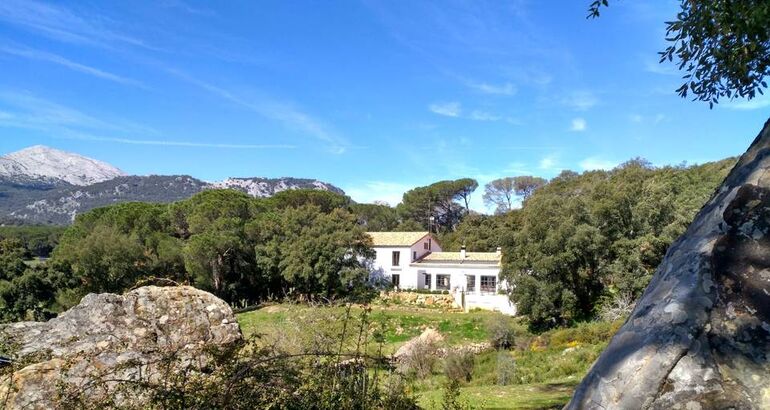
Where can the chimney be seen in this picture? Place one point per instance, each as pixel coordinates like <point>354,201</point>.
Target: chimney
<point>499,251</point>
<point>462,252</point>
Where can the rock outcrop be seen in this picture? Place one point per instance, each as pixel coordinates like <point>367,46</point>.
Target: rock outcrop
<point>699,337</point>
<point>108,339</point>
<point>429,340</point>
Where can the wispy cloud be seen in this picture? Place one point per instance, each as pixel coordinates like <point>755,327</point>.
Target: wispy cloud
<point>593,163</point>
<point>62,24</point>
<point>495,89</point>
<point>25,111</point>
<point>578,125</point>
<point>72,65</point>
<point>549,162</point>
<point>647,119</point>
<point>580,100</point>
<point>173,143</point>
<point>282,112</point>
<point>479,115</point>
<point>455,110</point>
<point>448,109</point>
<point>664,68</point>
<point>747,105</point>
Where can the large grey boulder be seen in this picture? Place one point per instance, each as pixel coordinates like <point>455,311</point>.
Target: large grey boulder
<point>108,340</point>
<point>699,337</point>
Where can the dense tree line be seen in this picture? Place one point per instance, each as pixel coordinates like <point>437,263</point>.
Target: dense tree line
<point>37,240</point>
<point>299,243</point>
<point>577,242</point>
<point>583,239</point>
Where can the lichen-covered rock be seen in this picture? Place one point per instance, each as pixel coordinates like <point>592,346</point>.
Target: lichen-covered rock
<point>108,339</point>
<point>699,337</point>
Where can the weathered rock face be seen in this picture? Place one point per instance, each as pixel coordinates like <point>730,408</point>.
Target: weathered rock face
<point>699,337</point>
<point>114,337</point>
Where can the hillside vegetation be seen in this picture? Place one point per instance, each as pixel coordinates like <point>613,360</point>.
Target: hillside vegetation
<point>536,371</point>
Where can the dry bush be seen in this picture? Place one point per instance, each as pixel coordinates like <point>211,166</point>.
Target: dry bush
<point>458,365</point>
<point>619,307</point>
<point>501,334</point>
<point>505,368</point>
<point>420,360</point>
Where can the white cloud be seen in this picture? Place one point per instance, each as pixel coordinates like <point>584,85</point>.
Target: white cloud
<point>371,191</point>
<point>448,109</point>
<point>580,100</point>
<point>635,118</point>
<point>593,163</point>
<point>62,61</point>
<point>495,89</point>
<point>578,125</point>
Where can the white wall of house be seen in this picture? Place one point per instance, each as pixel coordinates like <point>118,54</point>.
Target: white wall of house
<point>458,276</point>
<point>413,274</point>
<point>383,261</point>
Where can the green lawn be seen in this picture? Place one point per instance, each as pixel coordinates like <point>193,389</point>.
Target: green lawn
<point>547,366</point>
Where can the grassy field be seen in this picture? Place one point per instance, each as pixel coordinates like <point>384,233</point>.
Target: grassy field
<point>397,324</point>
<point>548,366</point>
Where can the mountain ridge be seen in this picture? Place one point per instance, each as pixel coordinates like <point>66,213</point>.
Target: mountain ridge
<point>43,185</point>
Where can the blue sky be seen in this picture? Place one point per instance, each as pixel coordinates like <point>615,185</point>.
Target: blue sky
<point>374,96</point>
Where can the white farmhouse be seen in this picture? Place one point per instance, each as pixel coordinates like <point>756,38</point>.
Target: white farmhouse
<point>414,260</point>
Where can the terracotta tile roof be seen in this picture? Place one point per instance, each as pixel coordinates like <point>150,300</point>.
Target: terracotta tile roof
<point>454,257</point>
<point>396,238</point>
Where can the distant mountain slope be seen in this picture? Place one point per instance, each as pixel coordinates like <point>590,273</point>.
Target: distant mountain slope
<point>41,185</point>
<point>40,164</point>
<point>60,205</point>
<point>264,187</point>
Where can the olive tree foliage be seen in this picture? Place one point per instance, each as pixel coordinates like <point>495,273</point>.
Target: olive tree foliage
<point>722,46</point>
<point>501,192</point>
<point>584,238</point>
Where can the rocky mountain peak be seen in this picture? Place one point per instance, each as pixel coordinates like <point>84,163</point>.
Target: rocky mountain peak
<point>45,164</point>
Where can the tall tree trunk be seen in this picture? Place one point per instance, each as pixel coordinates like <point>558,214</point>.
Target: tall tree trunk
<point>699,337</point>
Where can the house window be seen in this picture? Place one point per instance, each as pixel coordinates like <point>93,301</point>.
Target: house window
<point>414,255</point>
<point>430,243</point>
<point>396,279</point>
<point>442,282</point>
<point>470,285</point>
<point>396,258</point>
<point>425,245</point>
<point>427,281</point>
<point>489,284</point>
